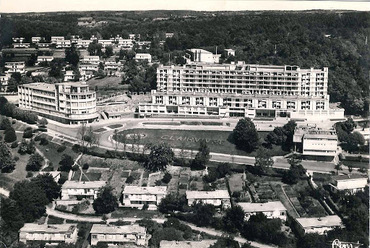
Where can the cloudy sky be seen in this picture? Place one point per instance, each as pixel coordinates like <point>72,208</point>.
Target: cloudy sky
<point>7,6</point>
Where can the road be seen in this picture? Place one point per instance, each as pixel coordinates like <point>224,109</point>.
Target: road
<point>105,141</point>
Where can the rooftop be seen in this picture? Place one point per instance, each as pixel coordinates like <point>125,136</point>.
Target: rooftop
<point>40,86</point>
<point>145,190</point>
<point>262,207</point>
<point>110,229</point>
<point>349,177</point>
<point>60,228</point>
<point>187,244</point>
<point>217,194</point>
<point>83,185</point>
<point>327,221</point>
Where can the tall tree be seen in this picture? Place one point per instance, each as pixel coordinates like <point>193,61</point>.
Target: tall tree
<point>35,162</point>
<point>106,202</point>
<point>48,185</point>
<point>202,157</point>
<point>234,219</point>
<point>7,163</point>
<point>159,157</point>
<point>245,135</point>
<point>263,160</point>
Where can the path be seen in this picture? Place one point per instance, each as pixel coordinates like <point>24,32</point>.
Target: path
<point>4,192</point>
<point>47,162</point>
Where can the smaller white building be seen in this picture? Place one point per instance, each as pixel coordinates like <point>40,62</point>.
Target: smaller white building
<point>136,197</point>
<point>83,43</point>
<point>51,234</point>
<point>36,39</point>
<point>116,235</point>
<point>91,60</point>
<point>349,183</point>
<point>272,210</point>
<point>21,45</point>
<point>105,43</point>
<point>55,39</point>
<point>143,56</point>
<point>41,59</point>
<point>14,67</point>
<point>4,81</point>
<point>169,35</point>
<point>203,56</point>
<point>319,225</point>
<point>218,198</point>
<point>229,52</point>
<point>72,190</point>
<point>63,44</point>
<point>69,76</point>
<point>126,44</point>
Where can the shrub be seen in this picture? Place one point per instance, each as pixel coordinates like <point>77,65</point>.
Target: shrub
<point>158,183</point>
<point>37,138</point>
<point>166,178</point>
<point>61,148</point>
<point>76,148</point>
<point>85,166</point>
<point>14,121</point>
<point>44,141</point>
<point>35,162</point>
<point>130,180</point>
<point>16,158</point>
<point>27,133</point>
<point>14,144</point>
<point>29,174</point>
<point>75,168</point>
<point>10,135</point>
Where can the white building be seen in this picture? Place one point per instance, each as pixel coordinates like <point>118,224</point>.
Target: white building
<point>271,209</point>
<point>229,52</point>
<point>70,103</point>
<point>203,56</point>
<point>41,59</point>
<point>63,44</point>
<point>241,90</point>
<point>83,43</point>
<point>126,44</point>
<point>143,56</point>
<point>116,235</point>
<point>51,234</point>
<point>142,44</point>
<point>18,39</point>
<point>316,141</point>
<point>105,43</point>
<point>36,39</point>
<point>169,35</point>
<point>55,39</point>
<point>218,198</point>
<point>4,81</point>
<point>69,76</point>
<point>349,183</point>
<point>72,190</point>
<point>137,197</point>
<point>319,225</point>
<point>88,67</point>
<point>21,45</point>
<point>14,67</point>
<point>91,60</point>
<point>133,36</point>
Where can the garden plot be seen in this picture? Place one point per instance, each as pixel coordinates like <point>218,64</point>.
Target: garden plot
<point>153,177</point>
<point>265,192</point>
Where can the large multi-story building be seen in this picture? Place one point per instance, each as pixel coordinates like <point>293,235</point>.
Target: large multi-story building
<point>50,234</point>
<point>70,103</point>
<point>241,90</point>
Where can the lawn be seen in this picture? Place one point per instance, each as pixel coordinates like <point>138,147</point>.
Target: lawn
<point>218,141</point>
<point>55,220</point>
<point>92,176</point>
<point>107,85</point>
<point>51,153</point>
<point>114,126</point>
<point>132,212</point>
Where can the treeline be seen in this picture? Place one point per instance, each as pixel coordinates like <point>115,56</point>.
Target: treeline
<point>10,110</point>
<point>320,39</point>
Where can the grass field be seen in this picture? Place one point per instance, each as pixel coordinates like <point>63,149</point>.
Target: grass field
<point>218,141</point>
<point>107,85</point>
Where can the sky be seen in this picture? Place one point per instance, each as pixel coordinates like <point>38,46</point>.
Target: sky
<point>19,6</point>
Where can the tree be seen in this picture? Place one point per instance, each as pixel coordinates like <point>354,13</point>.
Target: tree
<point>227,241</point>
<point>43,122</point>
<point>30,198</point>
<point>202,157</point>
<point>7,163</point>
<point>108,51</point>
<point>48,185</point>
<point>276,137</point>
<point>5,124</point>
<point>355,140</point>
<point>313,240</point>
<point>263,160</point>
<point>203,213</point>
<point>9,135</point>
<point>72,56</point>
<point>28,133</point>
<point>245,135</point>
<point>66,163</point>
<point>106,202</point>
<point>35,162</point>
<point>234,219</point>
<point>159,157</point>
<point>172,202</point>
<point>295,172</point>
<point>167,233</point>
<point>11,214</point>
<point>166,178</point>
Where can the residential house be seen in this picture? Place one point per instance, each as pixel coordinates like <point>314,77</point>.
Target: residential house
<point>318,225</point>
<point>143,57</point>
<point>69,76</point>
<point>169,35</point>
<point>116,235</point>
<point>13,67</point>
<point>63,44</point>
<point>90,60</point>
<point>229,52</point>
<point>72,190</point>
<point>143,44</point>
<point>55,39</point>
<point>105,43</point>
<point>21,45</point>
<point>51,234</point>
<point>83,43</point>
<point>218,198</point>
<point>137,197</point>
<point>125,44</point>
<point>36,39</point>
<point>272,210</point>
<point>41,59</point>
<point>203,56</point>
<point>18,39</point>
<point>349,183</point>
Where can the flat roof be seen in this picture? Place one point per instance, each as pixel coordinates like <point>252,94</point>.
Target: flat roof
<point>262,207</point>
<point>83,185</point>
<point>40,86</point>
<point>45,228</point>
<point>327,221</point>
<point>187,244</point>
<point>217,194</point>
<point>145,190</point>
<point>110,229</point>
<point>349,177</point>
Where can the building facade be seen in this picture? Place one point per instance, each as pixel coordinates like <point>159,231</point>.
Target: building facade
<point>72,190</point>
<point>319,225</point>
<point>51,234</point>
<point>349,183</point>
<point>13,67</point>
<point>241,90</point>
<point>271,209</point>
<point>119,235</point>
<point>70,103</point>
<point>137,197</point>
<point>218,198</point>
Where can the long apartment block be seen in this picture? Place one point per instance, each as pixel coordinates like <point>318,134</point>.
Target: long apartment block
<point>69,103</point>
<point>241,90</point>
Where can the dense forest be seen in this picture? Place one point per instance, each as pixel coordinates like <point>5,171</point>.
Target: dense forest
<point>338,40</point>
